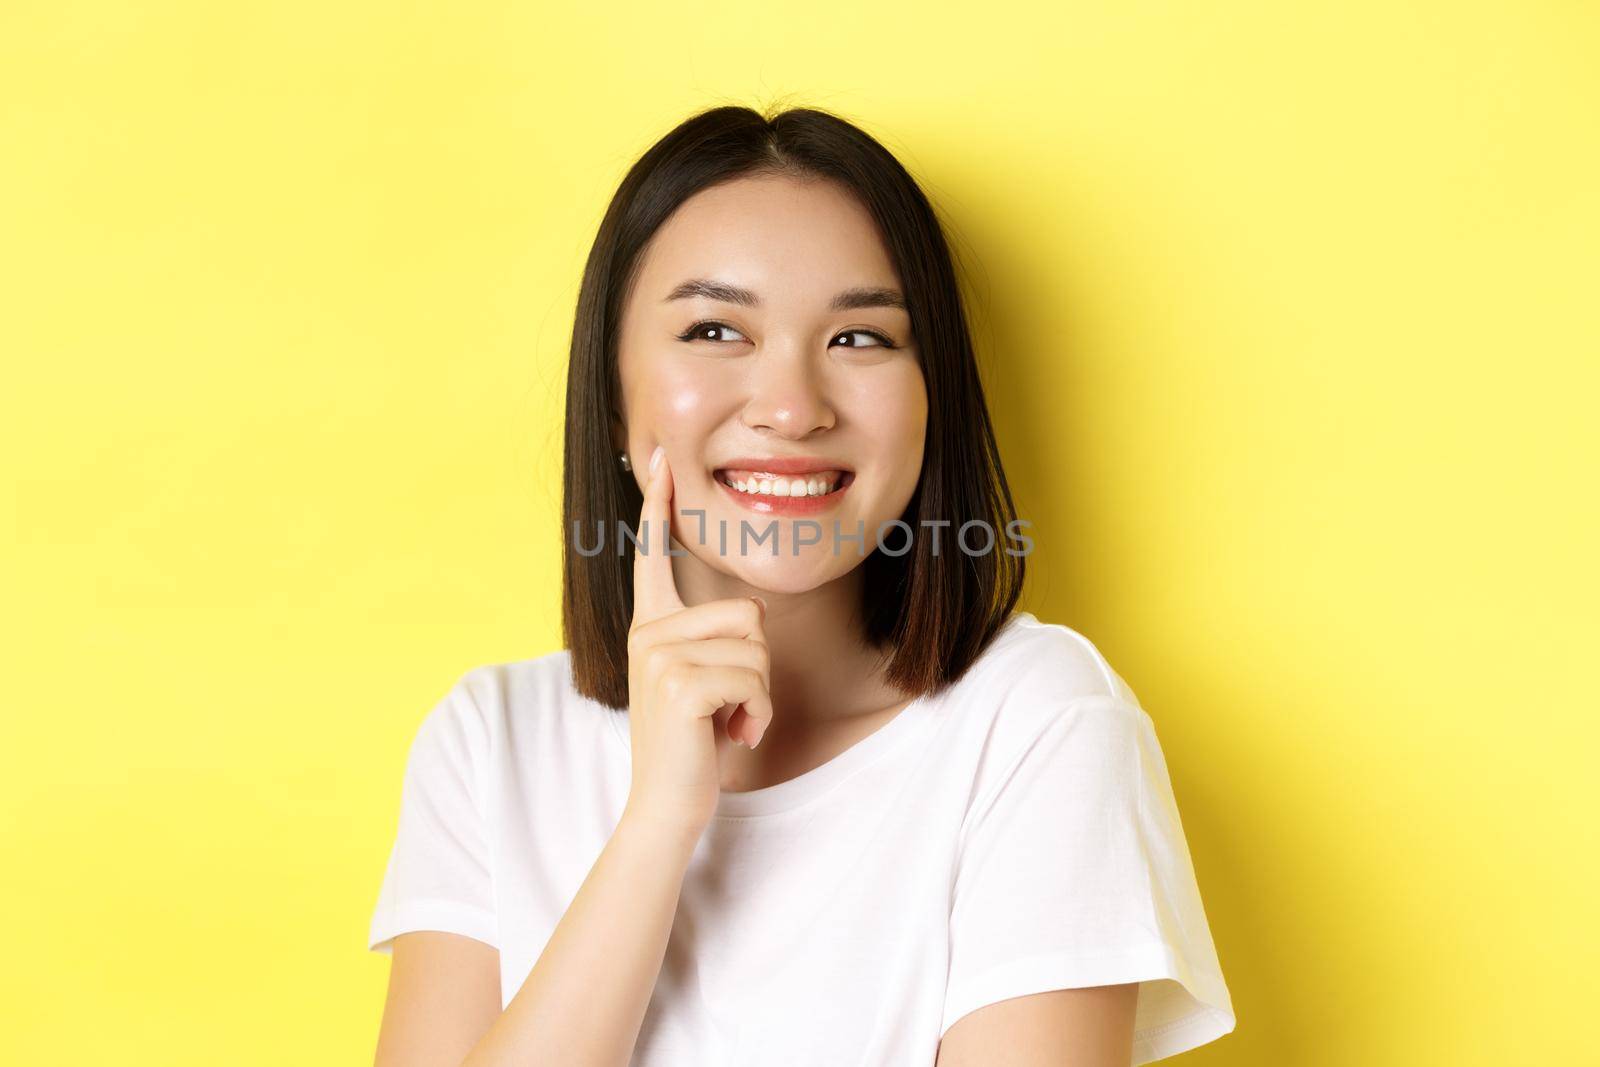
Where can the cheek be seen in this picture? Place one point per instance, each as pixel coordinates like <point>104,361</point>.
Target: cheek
<point>891,418</point>
<point>684,400</point>
<point>674,400</point>
<point>898,416</point>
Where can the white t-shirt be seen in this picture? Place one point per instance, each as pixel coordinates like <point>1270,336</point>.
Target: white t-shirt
<point>1014,834</point>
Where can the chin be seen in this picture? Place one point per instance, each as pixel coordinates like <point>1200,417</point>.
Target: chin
<point>814,567</point>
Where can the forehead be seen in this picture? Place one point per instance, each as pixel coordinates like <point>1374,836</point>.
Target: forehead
<point>793,241</point>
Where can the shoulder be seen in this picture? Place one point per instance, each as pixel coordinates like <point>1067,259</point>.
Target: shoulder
<point>515,703</point>
<point>1036,664</point>
<point>521,686</point>
<point>484,701</point>
<point>1037,677</point>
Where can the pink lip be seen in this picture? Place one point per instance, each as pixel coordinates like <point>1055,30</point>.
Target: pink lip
<point>764,504</point>
<point>777,465</point>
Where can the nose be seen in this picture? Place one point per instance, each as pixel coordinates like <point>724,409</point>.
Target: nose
<point>787,393</point>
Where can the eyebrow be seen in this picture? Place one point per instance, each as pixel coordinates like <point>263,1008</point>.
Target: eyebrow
<point>849,300</point>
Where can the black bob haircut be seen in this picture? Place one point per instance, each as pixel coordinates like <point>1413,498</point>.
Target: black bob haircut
<point>932,615</point>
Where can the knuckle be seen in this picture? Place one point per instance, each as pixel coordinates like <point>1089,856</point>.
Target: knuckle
<point>657,660</point>
<point>675,681</point>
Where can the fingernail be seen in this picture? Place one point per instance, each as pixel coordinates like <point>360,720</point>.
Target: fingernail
<point>759,736</point>
<point>763,605</point>
<point>655,459</point>
<point>738,740</point>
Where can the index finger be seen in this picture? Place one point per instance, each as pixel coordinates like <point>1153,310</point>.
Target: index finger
<point>654,592</point>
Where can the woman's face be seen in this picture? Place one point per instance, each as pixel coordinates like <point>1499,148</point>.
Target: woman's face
<point>771,362</point>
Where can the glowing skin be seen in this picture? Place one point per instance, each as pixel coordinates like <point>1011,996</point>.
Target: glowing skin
<point>789,378</point>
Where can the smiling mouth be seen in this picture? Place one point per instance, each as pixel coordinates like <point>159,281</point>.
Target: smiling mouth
<point>763,483</point>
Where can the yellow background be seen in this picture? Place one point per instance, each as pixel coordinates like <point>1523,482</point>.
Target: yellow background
<point>1288,314</point>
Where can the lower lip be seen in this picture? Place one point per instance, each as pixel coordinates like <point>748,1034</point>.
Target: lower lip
<point>767,504</point>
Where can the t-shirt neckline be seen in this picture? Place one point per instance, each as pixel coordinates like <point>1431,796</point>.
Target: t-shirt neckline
<point>810,785</point>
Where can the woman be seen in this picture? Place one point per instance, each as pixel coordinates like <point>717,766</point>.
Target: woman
<point>808,789</point>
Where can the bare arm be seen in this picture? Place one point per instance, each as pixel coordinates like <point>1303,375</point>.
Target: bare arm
<point>1090,1027</point>
<point>584,1000</point>
<point>444,994</point>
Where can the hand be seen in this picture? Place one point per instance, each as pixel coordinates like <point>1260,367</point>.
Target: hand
<point>698,678</point>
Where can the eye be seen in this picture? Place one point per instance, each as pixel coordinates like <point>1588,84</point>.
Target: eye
<point>698,331</point>
<point>883,342</point>
<point>703,330</point>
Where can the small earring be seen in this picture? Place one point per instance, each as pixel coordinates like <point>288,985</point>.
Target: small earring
<point>627,464</point>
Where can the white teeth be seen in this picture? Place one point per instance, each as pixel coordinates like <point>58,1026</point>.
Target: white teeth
<point>809,486</point>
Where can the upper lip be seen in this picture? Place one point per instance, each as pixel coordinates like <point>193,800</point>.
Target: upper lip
<point>779,465</point>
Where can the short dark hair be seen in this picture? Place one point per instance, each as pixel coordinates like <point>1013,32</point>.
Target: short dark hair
<point>931,614</point>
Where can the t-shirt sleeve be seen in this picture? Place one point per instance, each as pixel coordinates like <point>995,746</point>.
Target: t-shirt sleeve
<point>1073,871</point>
<point>439,874</point>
